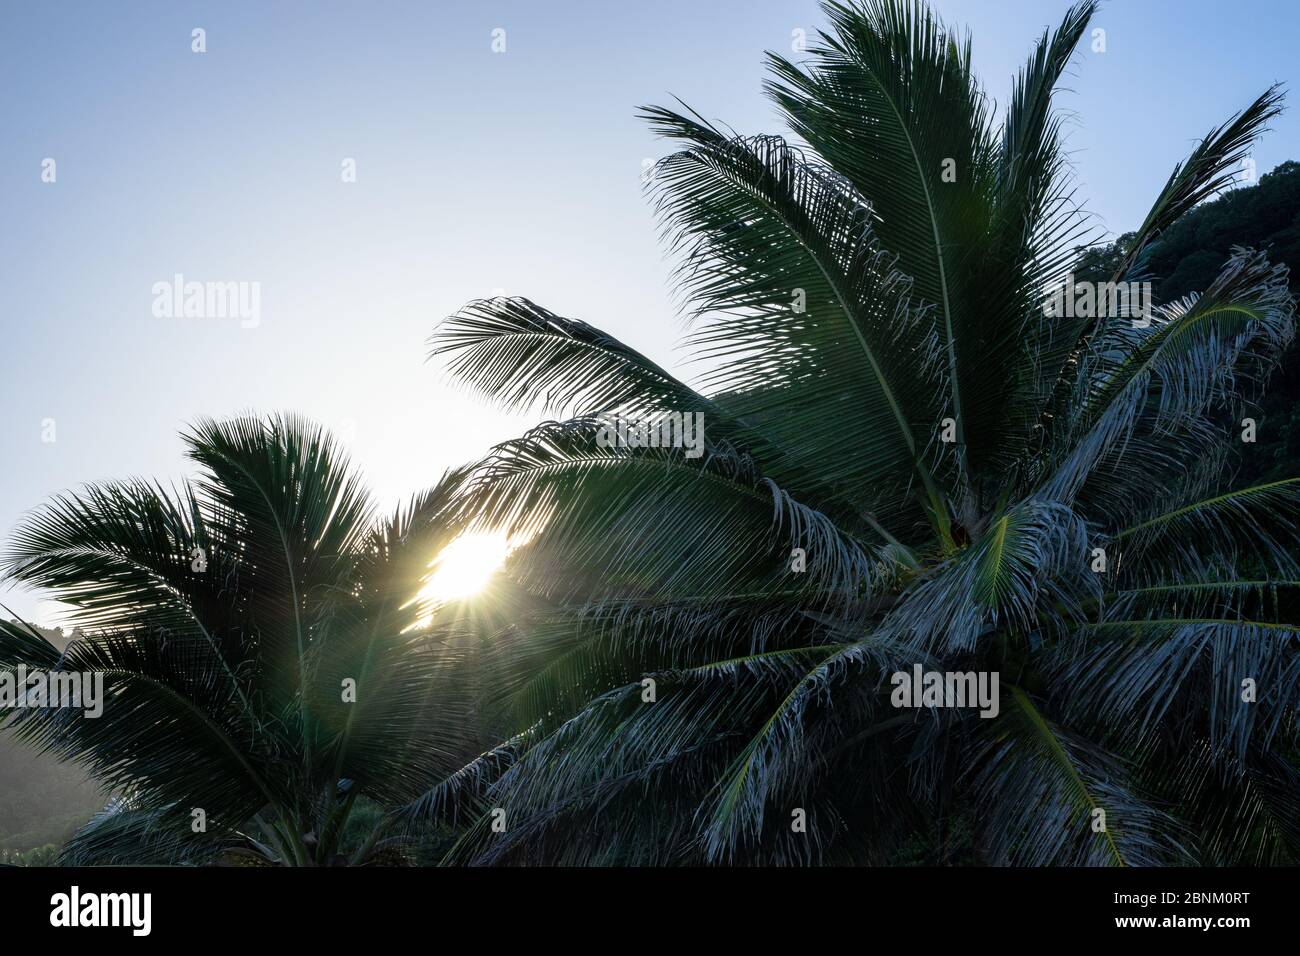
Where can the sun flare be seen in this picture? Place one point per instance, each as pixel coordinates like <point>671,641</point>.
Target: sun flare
<point>464,567</point>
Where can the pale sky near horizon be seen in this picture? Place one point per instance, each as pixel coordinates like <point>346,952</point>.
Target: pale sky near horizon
<point>476,172</point>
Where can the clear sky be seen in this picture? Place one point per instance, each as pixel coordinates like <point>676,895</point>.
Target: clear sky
<point>476,172</point>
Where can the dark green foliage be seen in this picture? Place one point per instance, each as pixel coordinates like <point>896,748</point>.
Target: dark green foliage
<point>685,694</point>
<point>224,666</point>
<point>1188,256</point>
<point>47,855</point>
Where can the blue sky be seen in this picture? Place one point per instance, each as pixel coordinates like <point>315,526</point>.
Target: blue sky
<point>477,172</point>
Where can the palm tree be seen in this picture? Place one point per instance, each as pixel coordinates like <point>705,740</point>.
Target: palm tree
<point>908,461</point>
<point>263,659</point>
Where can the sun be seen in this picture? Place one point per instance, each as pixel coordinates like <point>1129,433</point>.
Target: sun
<point>464,567</point>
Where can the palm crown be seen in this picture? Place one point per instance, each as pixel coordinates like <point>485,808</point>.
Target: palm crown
<point>908,462</point>
<point>977,483</point>
<point>264,662</point>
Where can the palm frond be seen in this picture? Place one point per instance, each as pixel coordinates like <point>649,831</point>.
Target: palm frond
<point>803,310</point>
<point>1041,787</point>
<point>889,101</point>
<point>719,526</point>
<point>517,353</point>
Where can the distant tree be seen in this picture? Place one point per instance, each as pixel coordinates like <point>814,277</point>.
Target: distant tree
<point>47,855</point>
<point>1099,263</point>
<point>42,801</point>
<point>1186,258</point>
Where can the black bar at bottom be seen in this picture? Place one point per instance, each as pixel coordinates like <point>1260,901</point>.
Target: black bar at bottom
<point>218,905</point>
